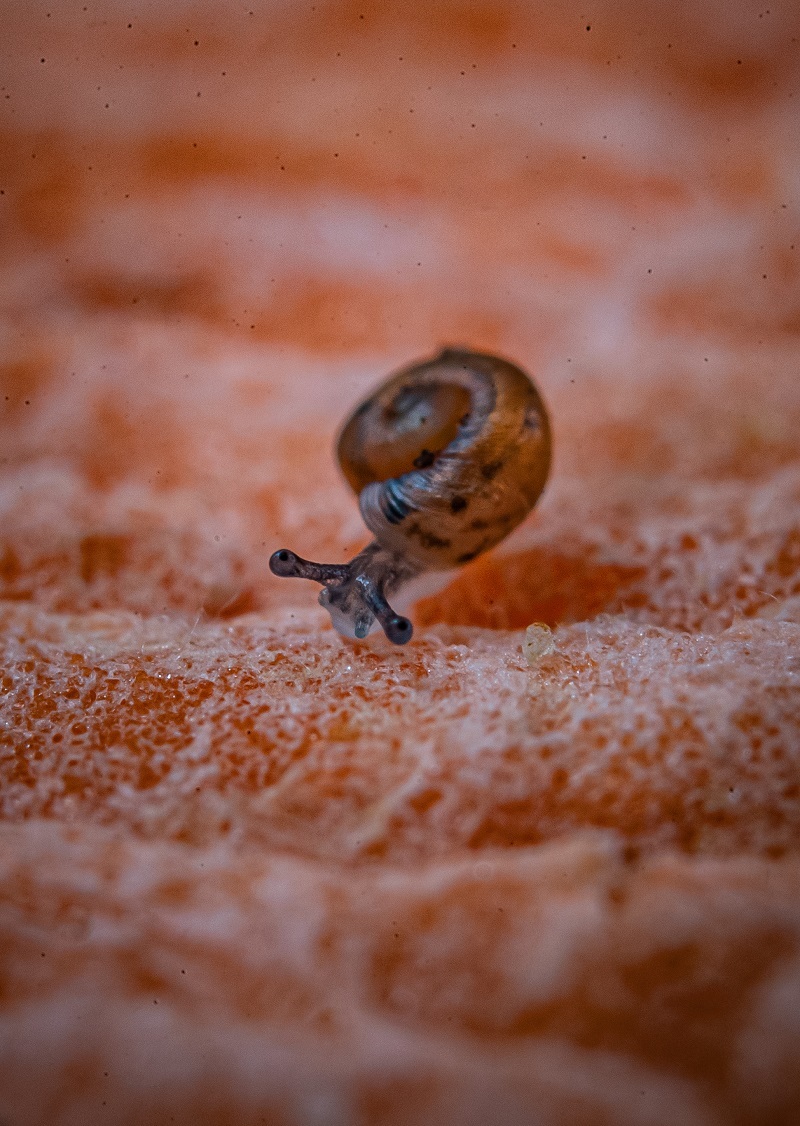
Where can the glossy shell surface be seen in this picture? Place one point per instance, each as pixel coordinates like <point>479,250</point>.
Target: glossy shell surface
<point>447,457</point>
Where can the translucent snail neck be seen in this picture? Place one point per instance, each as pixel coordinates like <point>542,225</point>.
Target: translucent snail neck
<point>447,457</point>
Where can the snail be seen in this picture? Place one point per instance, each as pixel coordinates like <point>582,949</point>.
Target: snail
<point>447,457</point>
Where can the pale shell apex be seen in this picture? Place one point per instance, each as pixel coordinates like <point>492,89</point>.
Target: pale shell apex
<point>447,456</point>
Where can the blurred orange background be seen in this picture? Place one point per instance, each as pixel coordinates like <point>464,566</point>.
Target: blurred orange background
<point>248,872</point>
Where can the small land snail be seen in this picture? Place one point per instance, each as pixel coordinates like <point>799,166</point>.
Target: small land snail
<point>447,457</point>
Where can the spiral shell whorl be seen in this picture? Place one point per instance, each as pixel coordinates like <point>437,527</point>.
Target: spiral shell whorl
<point>455,501</point>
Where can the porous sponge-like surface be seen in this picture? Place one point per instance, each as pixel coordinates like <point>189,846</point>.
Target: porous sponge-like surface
<point>256,734</point>
<point>250,872</point>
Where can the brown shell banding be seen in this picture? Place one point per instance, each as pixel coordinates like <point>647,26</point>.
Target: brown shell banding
<point>478,471</point>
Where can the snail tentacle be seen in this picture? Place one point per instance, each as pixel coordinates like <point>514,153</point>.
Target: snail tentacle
<point>286,564</point>
<point>355,593</point>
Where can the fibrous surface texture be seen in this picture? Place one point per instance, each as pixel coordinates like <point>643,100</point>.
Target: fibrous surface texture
<point>252,873</point>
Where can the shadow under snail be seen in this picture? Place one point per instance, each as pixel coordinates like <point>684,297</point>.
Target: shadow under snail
<point>446,457</point>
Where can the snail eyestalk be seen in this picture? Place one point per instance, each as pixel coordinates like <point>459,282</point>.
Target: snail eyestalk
<point>355,593</point>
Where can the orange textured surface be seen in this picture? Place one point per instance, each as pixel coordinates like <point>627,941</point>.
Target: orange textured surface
<point>250,873</point>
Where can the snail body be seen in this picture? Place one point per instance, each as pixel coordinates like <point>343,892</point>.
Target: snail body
<point>446,457</point>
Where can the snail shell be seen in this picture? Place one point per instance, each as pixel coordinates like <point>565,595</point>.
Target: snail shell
<point>447,457</point>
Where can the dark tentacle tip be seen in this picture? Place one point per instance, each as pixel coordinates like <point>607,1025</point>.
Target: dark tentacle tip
<point>398,630</point>
<point>283,563</point>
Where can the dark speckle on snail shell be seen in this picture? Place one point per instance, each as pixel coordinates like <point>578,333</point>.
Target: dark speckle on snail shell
<point>447,457</point>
